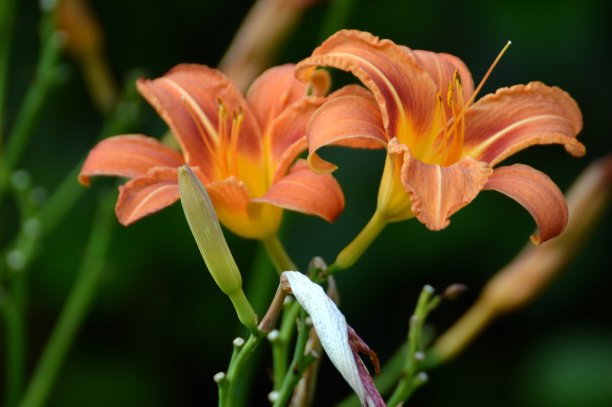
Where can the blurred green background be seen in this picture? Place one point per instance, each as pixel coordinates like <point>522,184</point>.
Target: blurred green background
<point>159,328</point>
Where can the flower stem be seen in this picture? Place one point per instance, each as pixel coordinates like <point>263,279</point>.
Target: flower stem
<point>15,339</point>
<point>298,365</point>
<point>278,254</point>
<point>227,388</point>
<point>76,307</point>
<point>351,253</point>
<point>46,76</point>
<point>7,16</point>
<point>260,283</point>
<point>410,378</point>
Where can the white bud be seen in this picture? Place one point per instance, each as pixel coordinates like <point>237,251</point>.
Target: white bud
<point>273,396</point>
<point>274,335</point>
<point>219,377</point>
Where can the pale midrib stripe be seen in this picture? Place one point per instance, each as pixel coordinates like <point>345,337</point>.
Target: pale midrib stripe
<point>196,108</point>
<point>151,196</point>
<point>491,140</point>
<point>386,80</point>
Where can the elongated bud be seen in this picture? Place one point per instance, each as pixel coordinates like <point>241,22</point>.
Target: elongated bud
<point>208,235</point>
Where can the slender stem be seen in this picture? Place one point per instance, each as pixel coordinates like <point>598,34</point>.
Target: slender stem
<point>76,307</point>
<point>7,16</point>
<point>278,254</point>
<point>261,281</point>
<point>15,339</point>
<point>69,192</point>
<point>228,389</point>
<point>351,253</point>
<point>299,363</point>
<point>46,76</point>
<point>279,359</point>
<point>289,316</point>
<point>409,379</point>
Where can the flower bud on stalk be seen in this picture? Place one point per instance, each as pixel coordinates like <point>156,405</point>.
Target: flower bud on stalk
<point>206,230</point>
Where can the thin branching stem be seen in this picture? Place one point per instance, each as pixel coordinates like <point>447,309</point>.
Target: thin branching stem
<point>76,307</point>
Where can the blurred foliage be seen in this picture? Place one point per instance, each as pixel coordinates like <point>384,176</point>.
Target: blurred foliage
<point>160,329</point>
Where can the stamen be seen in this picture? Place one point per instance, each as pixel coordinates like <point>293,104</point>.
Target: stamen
<point>459,117</point>
<point>232,155</point>
<point>221,121</point>
<point>486,76</point>
<point>449,94</point>
<point>202,131</point>
<point>222,141</point>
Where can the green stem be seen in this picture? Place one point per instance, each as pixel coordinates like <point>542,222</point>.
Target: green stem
<point>244,310</point>
<point>289,316</point>
<point>261,282</point>
<point>7,16</point>
<point>227,390</point>
<point>75,309</point>
<point>15,339</point>
<point>27,117</point>
<point>298,365</point>
<point>351,253</point>
<point>279,361</point>
<point>409,379</point>
<point>278,254</point>
<point>69,192</point>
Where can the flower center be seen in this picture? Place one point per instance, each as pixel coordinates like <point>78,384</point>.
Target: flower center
<point>443,144</point>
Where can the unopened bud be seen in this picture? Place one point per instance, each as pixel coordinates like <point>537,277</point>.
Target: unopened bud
<point>208,235</point>
<point>219,377</point>
<point>454,291</point>
<point>273,396</point>
<point>421,378</point>
<point>274,336</point>
<point>238,342</point>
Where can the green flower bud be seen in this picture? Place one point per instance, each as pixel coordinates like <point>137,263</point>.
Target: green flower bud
<point>208,235</point>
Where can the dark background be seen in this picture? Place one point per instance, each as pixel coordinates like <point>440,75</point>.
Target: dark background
<point>159,328</point>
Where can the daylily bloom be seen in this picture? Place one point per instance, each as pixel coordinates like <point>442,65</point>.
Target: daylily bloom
<point>442,149</point>
<point>242,149</point>
<point>338,339</point>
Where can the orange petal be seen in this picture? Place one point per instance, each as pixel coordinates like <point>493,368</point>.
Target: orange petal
<point>512,119</point>
<point>145,195</point>
<point>127,156</point>
<point>305,191</point>
<point>273,91</point>
<point>189,98</point>
<point>437,192</point>
<point>288,157</point>
<point>288,129</point>
<point>537,193</point>
<point>237,213</point>
<point>441,68</point>
<point>403,90</point>
<point>352,121</point>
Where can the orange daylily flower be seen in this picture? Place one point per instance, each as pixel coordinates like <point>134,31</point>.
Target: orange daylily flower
<point>241,148</point>
<point>442,148</point>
